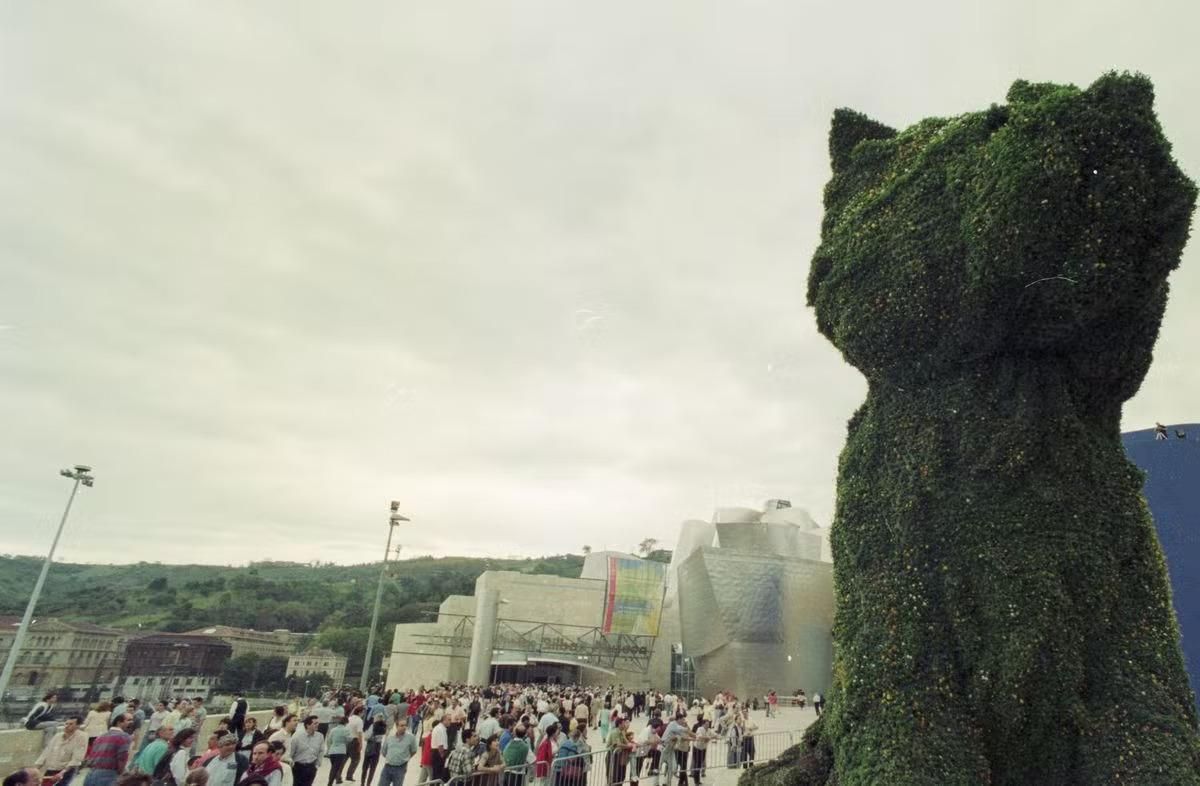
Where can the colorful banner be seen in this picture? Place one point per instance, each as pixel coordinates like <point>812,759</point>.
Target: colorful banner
<point>634,598</point>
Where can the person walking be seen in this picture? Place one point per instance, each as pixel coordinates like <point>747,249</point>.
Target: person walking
<point>335,747</point>
<point>110,753</point>
<point>372,743</point>
<point>60,760</point>
<point>396,750</point>
<point>305,749</point>
<point>324,712</point>
<point>354,741</point>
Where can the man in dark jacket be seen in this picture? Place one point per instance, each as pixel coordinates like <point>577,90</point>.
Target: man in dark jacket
<point>237,715</point>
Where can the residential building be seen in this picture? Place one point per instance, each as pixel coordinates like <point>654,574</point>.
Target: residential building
<point>71,657</point>
<point>164,665</point>
<point>317,662</point>
<point>246,640</point>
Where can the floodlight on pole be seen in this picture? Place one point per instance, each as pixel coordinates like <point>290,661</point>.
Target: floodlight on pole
<point>80,474</point>
<point>394,520</point>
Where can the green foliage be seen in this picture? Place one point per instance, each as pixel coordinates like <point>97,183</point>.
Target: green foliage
<point>809,763</point>
<point>250,672</point>
<point>352,642</point>
<point>659,555</point>
<point>1003,614</point>
<point>317,681</point>
<point>333,599</point>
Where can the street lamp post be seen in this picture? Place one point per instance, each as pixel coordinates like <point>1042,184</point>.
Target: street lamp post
<point>80,475</point>
<point>393,521</point>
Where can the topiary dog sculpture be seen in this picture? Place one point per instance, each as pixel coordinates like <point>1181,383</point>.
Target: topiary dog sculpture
<point>1003,612</point>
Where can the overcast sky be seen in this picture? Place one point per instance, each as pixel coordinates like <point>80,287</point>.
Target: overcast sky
<point>534,269</point>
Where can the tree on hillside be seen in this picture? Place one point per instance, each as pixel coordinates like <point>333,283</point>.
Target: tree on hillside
<point>587,550</point>
<point>352,643</point>
<point>317,681</point>
<point>647,546</point>
<point>252,671</point>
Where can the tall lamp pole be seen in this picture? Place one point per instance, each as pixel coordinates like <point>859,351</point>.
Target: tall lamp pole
<point>393,521</point>
<point>80,475</point>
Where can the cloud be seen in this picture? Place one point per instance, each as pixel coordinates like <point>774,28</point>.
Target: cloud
<point>536,271</point>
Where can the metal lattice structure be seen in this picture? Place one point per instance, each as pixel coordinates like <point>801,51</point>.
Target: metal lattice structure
<point>586,645</point>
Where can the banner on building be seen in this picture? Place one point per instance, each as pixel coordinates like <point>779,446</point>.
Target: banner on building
<point>634,598</point>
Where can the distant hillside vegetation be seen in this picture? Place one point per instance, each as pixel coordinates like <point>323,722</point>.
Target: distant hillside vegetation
<point>334,601</point>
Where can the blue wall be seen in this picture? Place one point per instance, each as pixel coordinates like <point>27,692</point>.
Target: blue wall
<point>1173,490</point>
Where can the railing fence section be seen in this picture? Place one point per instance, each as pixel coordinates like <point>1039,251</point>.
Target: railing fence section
<point>604,768</point>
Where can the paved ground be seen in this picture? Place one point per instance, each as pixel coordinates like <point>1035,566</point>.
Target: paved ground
<point>773,736</point>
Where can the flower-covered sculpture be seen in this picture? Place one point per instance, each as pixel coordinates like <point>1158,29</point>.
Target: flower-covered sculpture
<point>1003,612</point>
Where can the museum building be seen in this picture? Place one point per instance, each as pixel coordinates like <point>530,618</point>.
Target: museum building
<point>746,604</point>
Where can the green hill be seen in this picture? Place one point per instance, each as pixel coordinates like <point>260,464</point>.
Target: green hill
<point>333,601</point>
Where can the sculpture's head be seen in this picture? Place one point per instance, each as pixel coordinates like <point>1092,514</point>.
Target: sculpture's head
<point>1045,227</point>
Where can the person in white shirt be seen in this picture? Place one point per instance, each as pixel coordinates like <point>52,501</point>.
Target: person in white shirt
<point>325,714</point>
<point>65,753</point>
<point>647,741</point>
<point>223,768</point>
<point>490,725</point>
<point>354,741</point>
<point>284,735</point>
<point>439,743</point>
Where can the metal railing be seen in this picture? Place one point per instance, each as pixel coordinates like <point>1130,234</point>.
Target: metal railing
<point>602,767</point>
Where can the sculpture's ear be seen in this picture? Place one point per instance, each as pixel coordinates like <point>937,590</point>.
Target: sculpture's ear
<point>849,128</point>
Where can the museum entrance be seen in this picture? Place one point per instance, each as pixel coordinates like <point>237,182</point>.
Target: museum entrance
<point>540,673</point>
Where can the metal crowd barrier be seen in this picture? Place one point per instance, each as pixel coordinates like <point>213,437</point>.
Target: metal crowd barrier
<point>602,768</point>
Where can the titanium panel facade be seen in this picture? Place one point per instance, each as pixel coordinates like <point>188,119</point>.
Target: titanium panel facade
<point>754,622</point>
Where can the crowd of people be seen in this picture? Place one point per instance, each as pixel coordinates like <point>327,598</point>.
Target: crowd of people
<point>501,735</point>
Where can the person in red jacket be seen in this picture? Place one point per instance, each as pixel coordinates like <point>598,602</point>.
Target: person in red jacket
<point>546,751</point>
<point>426,757</point>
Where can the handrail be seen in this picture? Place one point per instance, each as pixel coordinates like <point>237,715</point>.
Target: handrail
<point>764,747</point>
